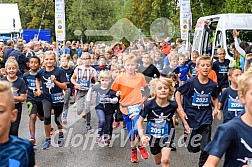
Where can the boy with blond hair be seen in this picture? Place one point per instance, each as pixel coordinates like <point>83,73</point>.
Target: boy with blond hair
<point>234,137</point>
<point>128,86</point>
<point>198,92</point>
<point>14,151</point>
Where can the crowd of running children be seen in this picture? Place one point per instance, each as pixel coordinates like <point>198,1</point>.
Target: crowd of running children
<point>149,82</point>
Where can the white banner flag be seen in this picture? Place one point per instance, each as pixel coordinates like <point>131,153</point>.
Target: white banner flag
<point>185,18</point>
<point>60,20</point>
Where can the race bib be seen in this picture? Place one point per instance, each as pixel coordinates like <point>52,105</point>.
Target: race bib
<point>31,84</point>
<point>102,98</point>
<point>57,97</point>
<point>84,84</point>
<point>133,110</point>
<point>201,99</point>
<point>157,130</point>
<point>234,105</point>
<point>223,69</point>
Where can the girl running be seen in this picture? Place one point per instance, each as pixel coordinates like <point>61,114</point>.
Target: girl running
<point>53,81</point>
<point>159,112</point>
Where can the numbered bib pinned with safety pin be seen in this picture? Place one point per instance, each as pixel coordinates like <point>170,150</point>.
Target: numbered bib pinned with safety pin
<point>133,110</point>
<point>158,129</point>
<point>234,104</point>
<point>201,99</point>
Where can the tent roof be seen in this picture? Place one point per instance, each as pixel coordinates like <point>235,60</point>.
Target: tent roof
<point>8,12</point>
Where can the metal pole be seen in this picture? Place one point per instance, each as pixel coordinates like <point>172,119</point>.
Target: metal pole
<point>57,53</point>
<point>64,47</point>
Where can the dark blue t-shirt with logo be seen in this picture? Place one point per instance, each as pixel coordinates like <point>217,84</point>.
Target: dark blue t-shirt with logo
<point>16,152</point>
<point>17,88</point>
<point>30,81</point>
<point>69,72</point>
<point>157,116</point>
<point>234,140</point>
<point>51,91</point>
<point>192,69</point>
<point>221,70</point>
<point>197,101</point>
<point>230,104</point>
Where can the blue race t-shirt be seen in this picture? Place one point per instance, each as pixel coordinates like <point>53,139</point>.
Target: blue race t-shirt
<point>183,70</point>
<point>197,101</point>
<point>17,88</point>
<point>234,139</point>
<point>159,119</point>
<point>51,91</point>
<point>16,152</point>
<point>221,70</point>
<point>230,104</point>
<point>30,81</point>
<point>69,72</point>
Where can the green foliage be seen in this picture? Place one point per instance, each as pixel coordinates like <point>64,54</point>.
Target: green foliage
<point>103,14</point>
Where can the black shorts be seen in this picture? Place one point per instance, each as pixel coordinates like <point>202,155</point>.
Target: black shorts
<point>198,138</point>
<point>35,107</point>
<point>156,144</point>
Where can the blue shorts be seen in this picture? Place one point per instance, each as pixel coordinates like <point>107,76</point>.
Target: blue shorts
<point>131,125</point>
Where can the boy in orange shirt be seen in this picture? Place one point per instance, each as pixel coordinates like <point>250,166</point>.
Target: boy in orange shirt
<point>128,86</point>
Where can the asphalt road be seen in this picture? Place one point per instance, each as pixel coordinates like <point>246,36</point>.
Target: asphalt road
<point>80,148</point>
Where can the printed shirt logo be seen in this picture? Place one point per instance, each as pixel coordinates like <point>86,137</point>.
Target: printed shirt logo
<point>68,79</point>
<point>159,128</point>
<point>49,84</point>
<point>246,160</point>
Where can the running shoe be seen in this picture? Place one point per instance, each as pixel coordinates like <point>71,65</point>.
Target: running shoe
<point>106,142</point>
<point>144,153</point>
<point>88,127</point>
<point>61,140</point>
<point>64,119</point>
<point>116,124</point>
<point>134,158</point>
<point>98,140</point>
<point>46,144</point>
<point>33,141</point>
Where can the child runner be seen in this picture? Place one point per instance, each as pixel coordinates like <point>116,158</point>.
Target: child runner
<point>53,81</point>
<point>115,71</point>
<point>34,102</point>
<point>128,85</point>
<point>101,66</point>
<point>228,99</point>
<point>14,151</point>
<point>64,61</point>
<point>18,90</point>
<point>104,106</point>
<point>82,76</point>
<point>234,137</point>
<point>183,69</point>
<point>192,64</point>
<point>221,67</point>
<point>159,112</point>
<point>197,108</point>
<point>172,67</point>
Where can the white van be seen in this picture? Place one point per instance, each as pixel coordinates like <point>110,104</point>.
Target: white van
<point>222,34</point>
